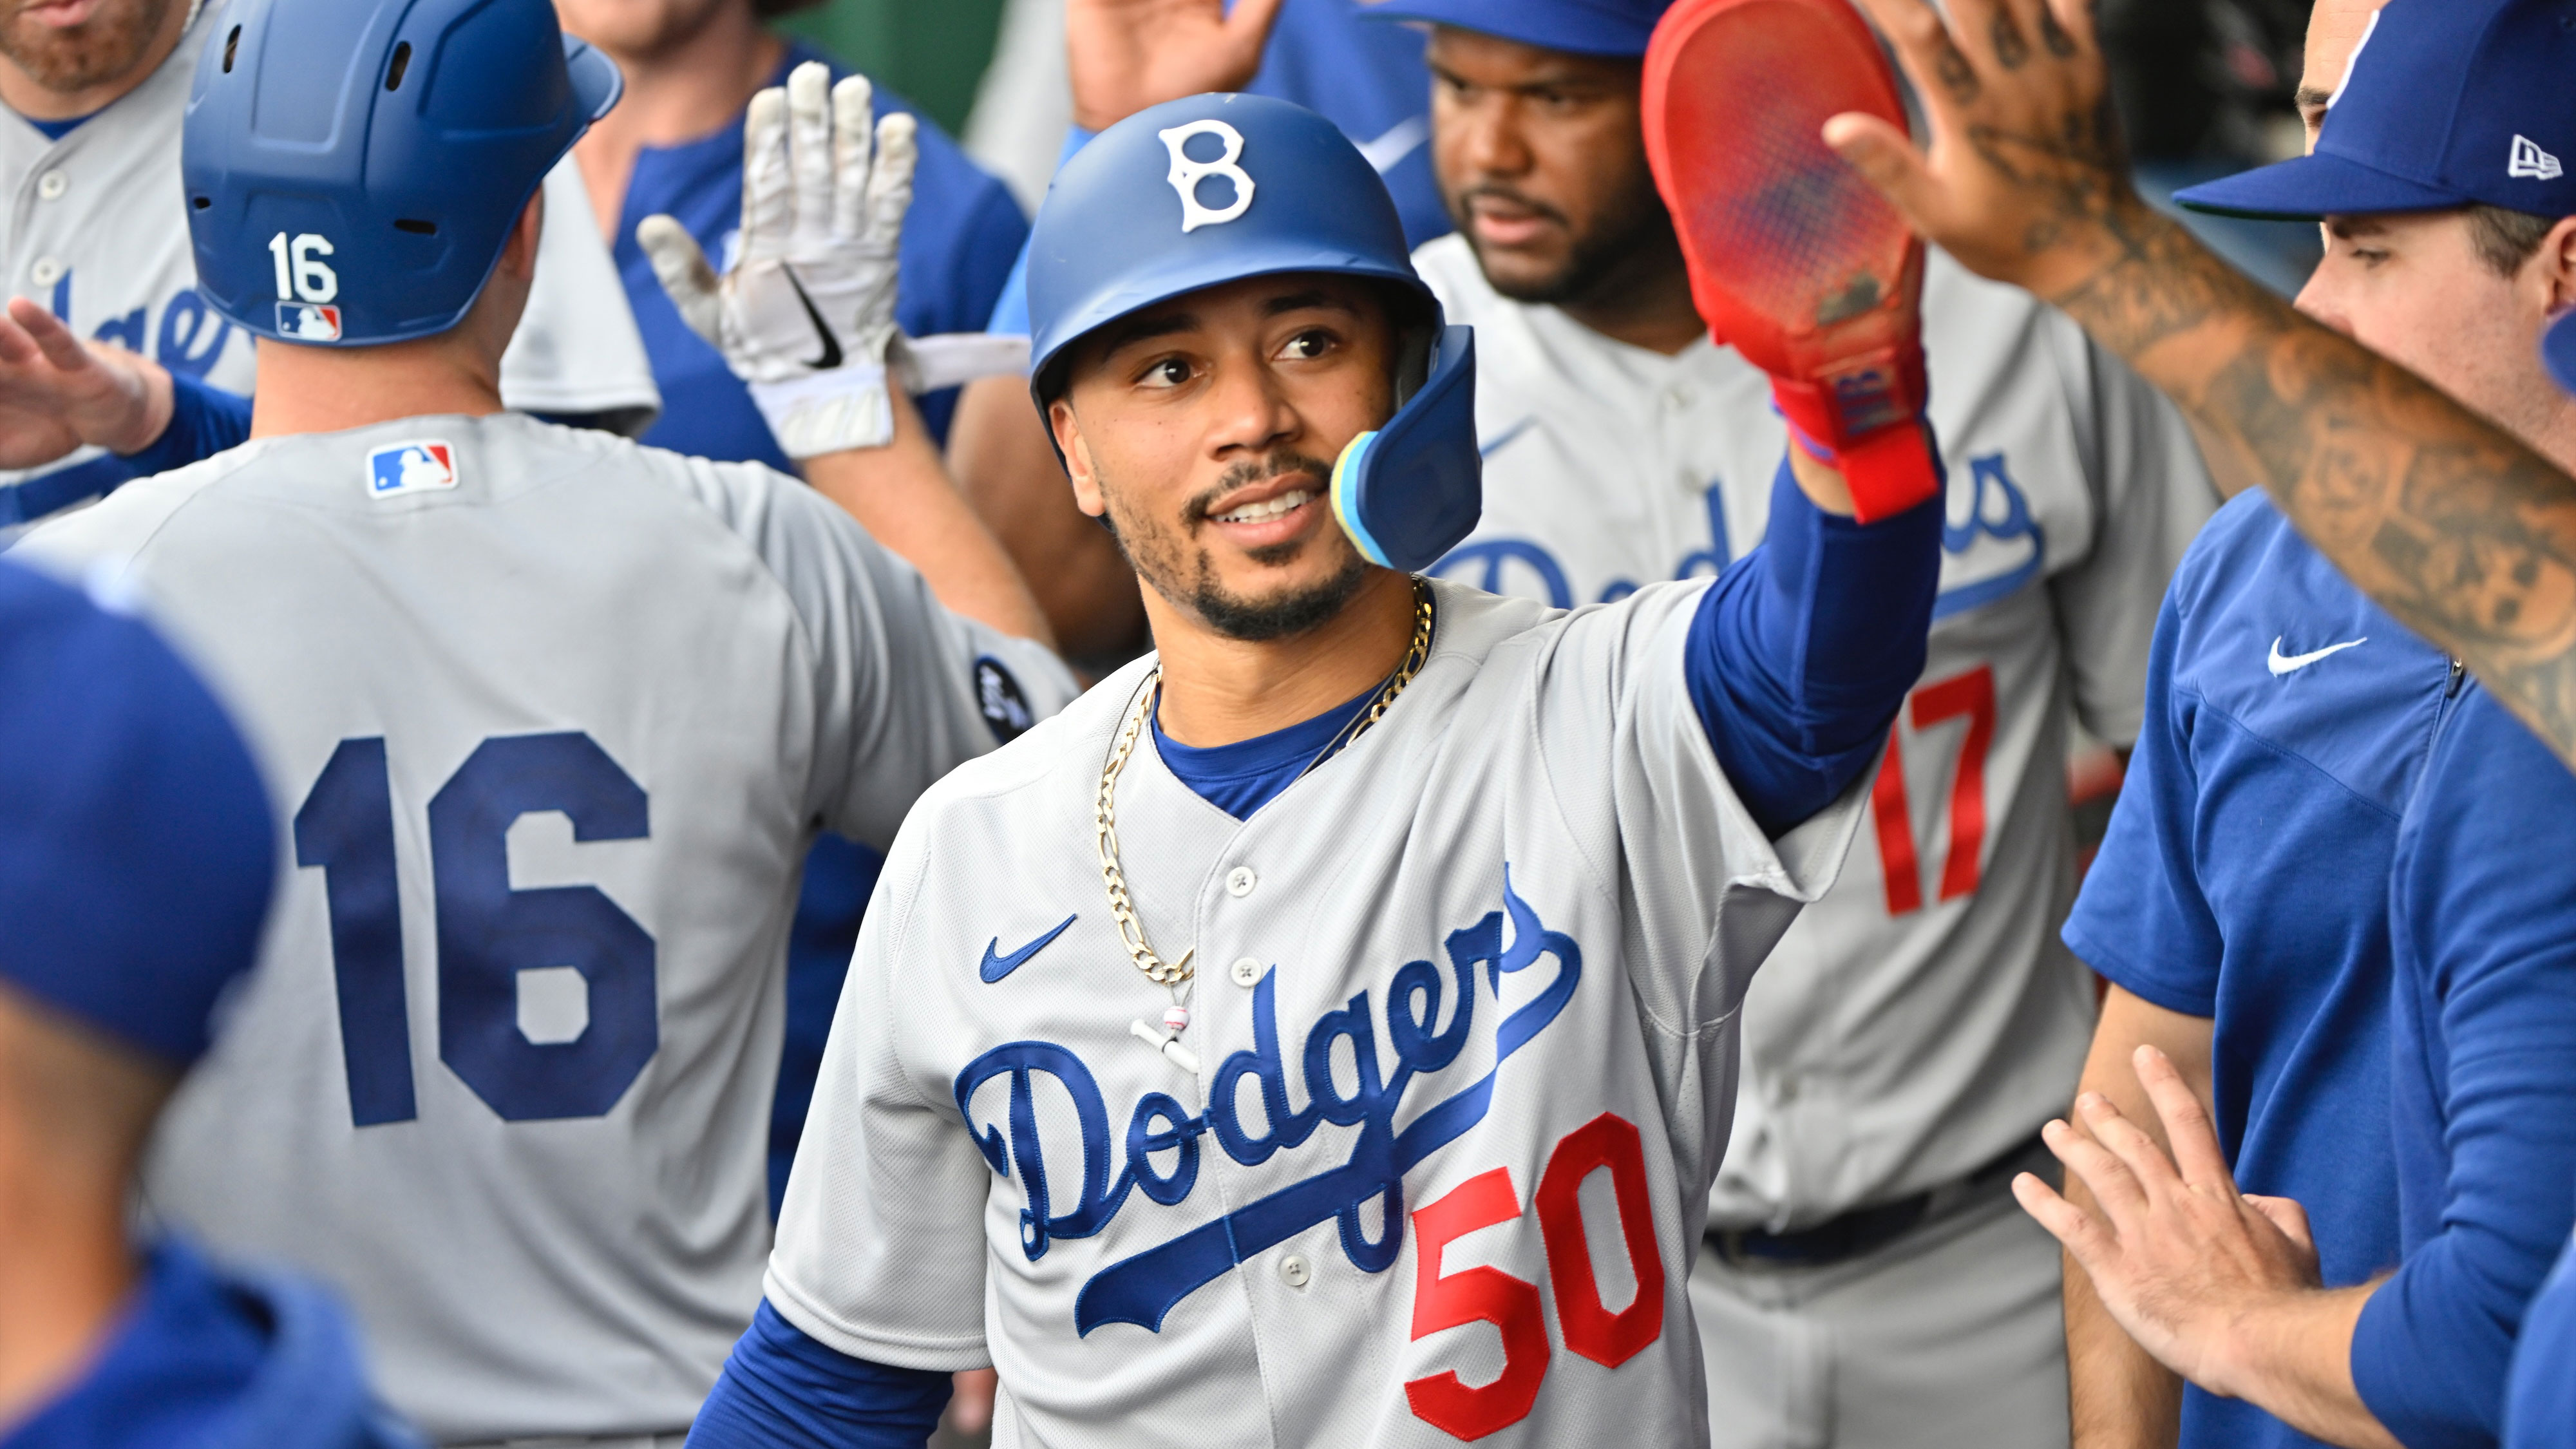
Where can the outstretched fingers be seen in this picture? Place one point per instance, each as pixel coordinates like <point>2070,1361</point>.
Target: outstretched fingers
<point>60,345</point>
<point>2188,1130</point>
<point>2093,1245</point>
<point>810,158</point>
<point>768,199</point>
<point>681,267</point>
<point>2105,1173</point>
<point>890,183</point>
<point>853,154</point>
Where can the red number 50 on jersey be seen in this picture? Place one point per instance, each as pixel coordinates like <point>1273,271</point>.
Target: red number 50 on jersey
<point>1512,1305</point>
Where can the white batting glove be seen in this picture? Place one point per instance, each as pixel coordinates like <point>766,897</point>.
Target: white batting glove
<point>806,313</point>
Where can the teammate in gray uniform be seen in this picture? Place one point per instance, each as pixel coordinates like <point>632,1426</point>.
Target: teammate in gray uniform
<point>1323,1032</point>
<point>1868,1279</point>
<point>92,239</point>
<point>553,717</point>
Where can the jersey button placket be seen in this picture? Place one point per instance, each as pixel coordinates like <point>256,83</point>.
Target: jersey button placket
<point>1295,1271</point>
<point>1240,881</point>
<point>46,271</point>
<point>53,184</point>
<point>1246,972</point>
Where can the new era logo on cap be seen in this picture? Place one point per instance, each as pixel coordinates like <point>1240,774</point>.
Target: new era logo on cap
<point>2532,163</point>
<point>308,322</point>
<point>410,468</point>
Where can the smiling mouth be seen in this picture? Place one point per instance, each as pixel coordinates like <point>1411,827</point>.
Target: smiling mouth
<point>1268,508</point>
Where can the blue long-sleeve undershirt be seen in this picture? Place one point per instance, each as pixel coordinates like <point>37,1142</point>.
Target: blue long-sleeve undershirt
<point>782,1388</point>
<point>204,421</point>
<point>1797,660</point>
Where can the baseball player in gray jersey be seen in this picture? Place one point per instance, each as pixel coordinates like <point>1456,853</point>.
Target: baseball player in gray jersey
<point>553,717</point>
<point>1868,1280</point>
<point>1324,1032</point>
<point>92,241</point>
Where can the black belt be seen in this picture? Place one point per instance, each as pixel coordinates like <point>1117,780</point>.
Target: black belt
<point>1867,1229</point>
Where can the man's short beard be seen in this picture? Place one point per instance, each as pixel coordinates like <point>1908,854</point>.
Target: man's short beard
<point>108,48</point>
<point>1158,556</point>
<point>1601,258</point>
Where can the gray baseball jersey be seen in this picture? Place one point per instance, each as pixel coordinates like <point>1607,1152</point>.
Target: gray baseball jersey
<point>96,229</point>
<point>553,718</point>
<point>1458,1071</point>
<point>1923,1017</point>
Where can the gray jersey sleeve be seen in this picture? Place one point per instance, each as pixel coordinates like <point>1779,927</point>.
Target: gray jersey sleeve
<point>1629,763</point>
<point>2151,494</point>
<point>898,1166</point>
<point>905,690</point>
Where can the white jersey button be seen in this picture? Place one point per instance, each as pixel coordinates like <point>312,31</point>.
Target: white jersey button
<point>52,185</point>
<point>1238,881</point>
<point>46,271</point>
<point>1294,1272</point>
<point>1247,973</point>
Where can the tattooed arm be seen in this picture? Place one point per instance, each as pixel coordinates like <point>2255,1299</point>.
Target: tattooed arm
<point>2457,529</point>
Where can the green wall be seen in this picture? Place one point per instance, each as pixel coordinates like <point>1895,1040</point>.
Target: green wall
<point>932,51</point>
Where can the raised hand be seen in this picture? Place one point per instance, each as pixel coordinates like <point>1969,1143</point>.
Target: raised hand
<point>1130,54</point>
<point>806,313</point>
<point>2026,180</point>
<point>58,393</point>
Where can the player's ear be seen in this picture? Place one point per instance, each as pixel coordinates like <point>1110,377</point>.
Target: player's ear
<point>520,256</point>
<point>2557,262</point>
<point>1077,457</point>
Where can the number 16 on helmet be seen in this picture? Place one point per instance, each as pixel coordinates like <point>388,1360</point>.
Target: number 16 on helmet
<point>354,167</point>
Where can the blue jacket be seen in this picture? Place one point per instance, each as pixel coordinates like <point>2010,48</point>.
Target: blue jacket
<point>2483,1041</point>
<point>2245,878</point>
<point>210,1360</point>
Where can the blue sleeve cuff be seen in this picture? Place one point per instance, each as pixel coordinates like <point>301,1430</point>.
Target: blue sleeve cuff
<point>1803,650</point>
<point>2428,1366</point>
<point>204,421</point>
<point>782,1388</point>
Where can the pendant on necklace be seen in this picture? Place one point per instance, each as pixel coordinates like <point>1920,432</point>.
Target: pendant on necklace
<point>1176,1019</point>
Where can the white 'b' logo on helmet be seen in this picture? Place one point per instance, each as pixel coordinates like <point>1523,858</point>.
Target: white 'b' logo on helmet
<point>1187,174</point>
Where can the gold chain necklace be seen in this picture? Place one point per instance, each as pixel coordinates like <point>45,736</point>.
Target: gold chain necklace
<point>1122,905</point>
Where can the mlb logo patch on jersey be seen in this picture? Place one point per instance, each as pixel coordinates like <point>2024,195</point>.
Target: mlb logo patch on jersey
<point>308,322</point>
<point>410,468</point>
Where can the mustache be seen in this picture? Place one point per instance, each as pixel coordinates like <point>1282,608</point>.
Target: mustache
<point>1259,470</point>
<point>1495,191</point>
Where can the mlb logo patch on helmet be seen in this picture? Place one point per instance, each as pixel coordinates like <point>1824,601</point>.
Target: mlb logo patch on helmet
<point>308,322</point>
<point>410,468</point>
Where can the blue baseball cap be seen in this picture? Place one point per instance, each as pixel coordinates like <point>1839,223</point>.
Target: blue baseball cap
<point>137,849</point>
<point>2446,103</point>
<point>1617,28</point>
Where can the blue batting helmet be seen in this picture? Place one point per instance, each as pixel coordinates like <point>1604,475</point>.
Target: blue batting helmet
<point>1217,188</point>
<point>354,167</point>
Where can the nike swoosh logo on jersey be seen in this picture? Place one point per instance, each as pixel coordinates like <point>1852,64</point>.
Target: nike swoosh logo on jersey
<point>997,967</point>
<point>831,357</point>
<point>2281,664</point>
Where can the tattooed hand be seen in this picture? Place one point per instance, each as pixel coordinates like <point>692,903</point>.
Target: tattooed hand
<point>2453,525</point>
<point>2027,180</point>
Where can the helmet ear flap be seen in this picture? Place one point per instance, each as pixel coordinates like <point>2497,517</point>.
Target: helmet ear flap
<point>1413,490</point>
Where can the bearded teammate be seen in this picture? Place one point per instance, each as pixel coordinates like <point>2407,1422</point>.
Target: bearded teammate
<point>554,717</point>
<point>1342,943</point>
<point>95,245</point>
